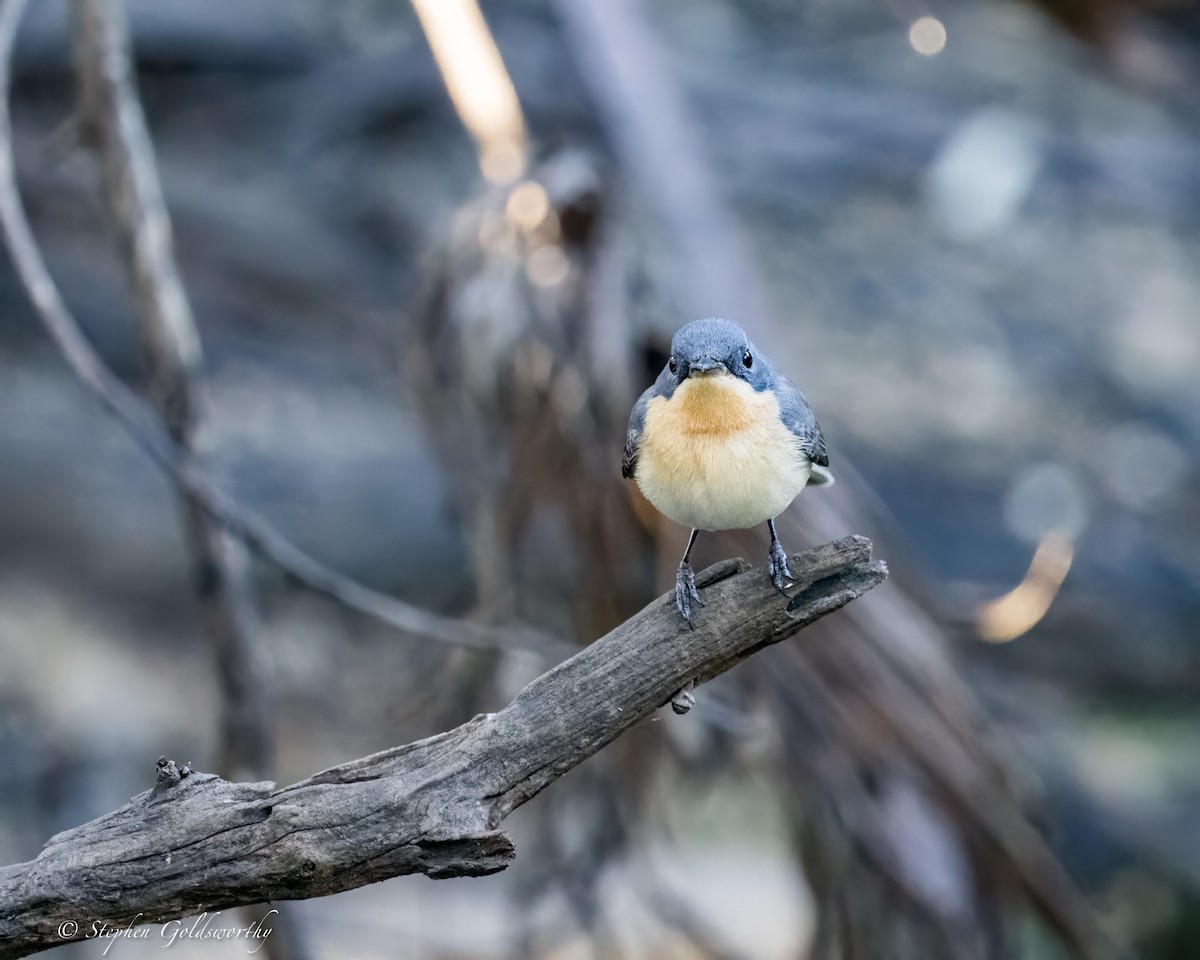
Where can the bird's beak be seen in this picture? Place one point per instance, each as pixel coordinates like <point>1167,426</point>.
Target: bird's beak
<point>704,365</point>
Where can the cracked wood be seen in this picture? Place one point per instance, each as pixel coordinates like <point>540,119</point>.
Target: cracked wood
<point>196,842</point>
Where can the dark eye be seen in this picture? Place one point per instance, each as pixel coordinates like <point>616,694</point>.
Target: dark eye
<point>672,365</point>
<point>747,360</point>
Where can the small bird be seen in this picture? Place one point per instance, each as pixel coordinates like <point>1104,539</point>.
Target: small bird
<point>722,441</point>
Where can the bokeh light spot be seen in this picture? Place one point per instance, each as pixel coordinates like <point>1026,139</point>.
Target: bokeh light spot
<point>547,266</point>
<point>983,172</point>
<point>1044,498</point>
<point>527,205</point>
<point>927,36</point>
<point>1022,608</point>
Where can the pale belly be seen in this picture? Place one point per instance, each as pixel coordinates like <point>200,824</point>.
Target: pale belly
<point>719,472</point>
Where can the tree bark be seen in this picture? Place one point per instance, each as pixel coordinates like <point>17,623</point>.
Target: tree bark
<point>196,842</point>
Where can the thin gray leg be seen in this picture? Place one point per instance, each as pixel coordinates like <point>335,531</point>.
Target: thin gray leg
<point>685,584</point>
<point>777,567</point>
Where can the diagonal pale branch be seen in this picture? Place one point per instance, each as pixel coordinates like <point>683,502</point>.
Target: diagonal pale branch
<point>144,426</point>
<point>434,806</point>
<point>110,118</point>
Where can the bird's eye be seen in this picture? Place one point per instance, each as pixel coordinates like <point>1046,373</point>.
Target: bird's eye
<point>672,365</point>
<point>747,360</point>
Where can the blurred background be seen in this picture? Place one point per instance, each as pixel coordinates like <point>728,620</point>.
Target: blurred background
<point>427,300</point>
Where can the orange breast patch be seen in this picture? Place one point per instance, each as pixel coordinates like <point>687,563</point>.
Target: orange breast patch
<point>712,406</point>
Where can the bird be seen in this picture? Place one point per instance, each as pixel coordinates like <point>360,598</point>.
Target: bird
<point>722,441</point>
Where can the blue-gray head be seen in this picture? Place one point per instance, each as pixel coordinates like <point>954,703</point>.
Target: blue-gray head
<point>713,345</point>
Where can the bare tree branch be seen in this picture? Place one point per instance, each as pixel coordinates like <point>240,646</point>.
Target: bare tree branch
<point>432,807</point>
<point>144,426</point>
<point>110,119</point>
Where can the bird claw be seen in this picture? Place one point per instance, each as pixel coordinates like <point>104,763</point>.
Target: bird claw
<point>686,593</point>
<point>778,568</point>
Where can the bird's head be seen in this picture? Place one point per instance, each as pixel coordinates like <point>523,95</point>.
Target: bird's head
<point>715,348</point>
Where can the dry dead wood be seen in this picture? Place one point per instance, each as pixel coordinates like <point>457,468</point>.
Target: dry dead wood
<point>198,842</point>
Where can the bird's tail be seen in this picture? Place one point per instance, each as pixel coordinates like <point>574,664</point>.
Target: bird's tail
<point>820,477</point>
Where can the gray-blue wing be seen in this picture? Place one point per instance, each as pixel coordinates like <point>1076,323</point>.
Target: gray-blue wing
<point>633,437</point>
<point>798,417</point>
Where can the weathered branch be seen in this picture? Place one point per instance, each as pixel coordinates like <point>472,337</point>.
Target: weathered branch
<point>144,426</point>
<point>434,806</point>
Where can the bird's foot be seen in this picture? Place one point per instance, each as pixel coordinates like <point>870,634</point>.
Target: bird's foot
<point>778,568</point>
<point>685,592</point>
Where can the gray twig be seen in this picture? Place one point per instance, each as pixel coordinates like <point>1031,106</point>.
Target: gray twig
<point>431,807</point>
<point>110,119</point>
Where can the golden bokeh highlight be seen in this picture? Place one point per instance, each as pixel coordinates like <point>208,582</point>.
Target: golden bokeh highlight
<point>547,266</point>
<point>528,206</point>
<point>478,83</point>
<point>1020,610</point>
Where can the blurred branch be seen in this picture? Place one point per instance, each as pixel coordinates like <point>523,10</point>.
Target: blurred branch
<point>147,430</point>
<point>200,843</point>
<point>681,917</point>
<point>111,121</point>
<point>894,677</point>
<point>478,84</point>
<point>646,114</point>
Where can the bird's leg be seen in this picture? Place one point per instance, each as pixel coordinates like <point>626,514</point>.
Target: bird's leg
<point>685,584</point>
<point>777,567</point>
<point>685,594</point>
